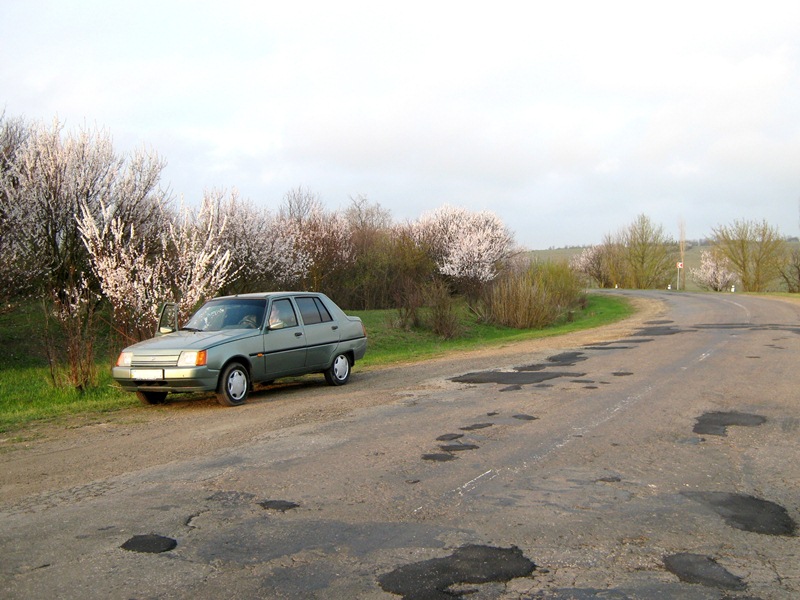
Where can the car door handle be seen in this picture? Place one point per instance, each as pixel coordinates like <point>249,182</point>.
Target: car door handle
<point>298,334</point>
<point>335,327</point>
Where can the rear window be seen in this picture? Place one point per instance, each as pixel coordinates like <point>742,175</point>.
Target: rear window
<point>313,311</point>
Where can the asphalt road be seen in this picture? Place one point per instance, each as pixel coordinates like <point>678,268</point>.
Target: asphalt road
<point>662,464</point>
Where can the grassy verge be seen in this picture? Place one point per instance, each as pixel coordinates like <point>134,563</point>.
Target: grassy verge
<point>26,394</point>
<point>388,344</point>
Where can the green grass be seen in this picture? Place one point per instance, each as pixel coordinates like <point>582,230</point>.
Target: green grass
<point>27,395</point>
<point>391,345</point>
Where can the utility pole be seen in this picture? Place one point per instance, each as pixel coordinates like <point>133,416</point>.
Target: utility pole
<point>682,247</point>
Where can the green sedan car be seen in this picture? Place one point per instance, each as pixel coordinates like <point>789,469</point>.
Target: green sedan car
<point>234,342</point>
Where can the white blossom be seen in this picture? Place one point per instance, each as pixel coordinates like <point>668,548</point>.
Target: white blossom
<point>263,247</point>
<point>190,266</point>
<point>714,273</point>
<point>467,246</point>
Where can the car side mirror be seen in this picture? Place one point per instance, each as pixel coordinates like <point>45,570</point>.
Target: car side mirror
<point>168,319</point>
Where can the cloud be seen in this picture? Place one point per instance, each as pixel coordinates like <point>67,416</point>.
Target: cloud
<point>567,119</point>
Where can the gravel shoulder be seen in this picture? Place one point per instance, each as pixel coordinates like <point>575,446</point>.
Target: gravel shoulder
<point>73,452</point>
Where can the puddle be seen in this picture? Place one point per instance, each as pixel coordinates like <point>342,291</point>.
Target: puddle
<point>150,544</point>
<point>432,579</point>
<point>716,423</point>
<point>622,373</point>
<point>696,568</point>
<point>748,513</point>
<point>449,437</point>
<point>281,505</point>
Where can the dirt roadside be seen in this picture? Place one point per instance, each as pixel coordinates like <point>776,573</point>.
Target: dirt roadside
<point>82,449</point>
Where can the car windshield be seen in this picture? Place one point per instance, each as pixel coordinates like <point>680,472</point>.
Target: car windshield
<point>228,313</point>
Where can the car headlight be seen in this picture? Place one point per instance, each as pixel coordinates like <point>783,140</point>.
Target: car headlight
<point>124,359</point>
<point>192,358</point>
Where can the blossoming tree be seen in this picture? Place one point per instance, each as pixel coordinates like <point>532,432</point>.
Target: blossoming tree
<point>191,264</point>
<point>714,272</point>
<point>467,247</point>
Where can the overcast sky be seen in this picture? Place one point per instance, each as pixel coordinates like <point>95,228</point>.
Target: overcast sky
<point>567,119</point>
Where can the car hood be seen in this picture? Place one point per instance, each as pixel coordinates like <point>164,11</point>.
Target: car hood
<point>191,340</point>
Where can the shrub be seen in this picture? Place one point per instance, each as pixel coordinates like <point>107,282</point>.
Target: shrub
<point>533,296</point>
<point>443,317</point>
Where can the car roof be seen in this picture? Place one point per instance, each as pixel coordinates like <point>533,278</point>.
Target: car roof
<point>266,295</point>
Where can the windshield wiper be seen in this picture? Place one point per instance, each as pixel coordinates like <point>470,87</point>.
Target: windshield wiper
<point>190,329</point>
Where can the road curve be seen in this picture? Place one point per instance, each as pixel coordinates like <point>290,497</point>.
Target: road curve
<point>657,460</point>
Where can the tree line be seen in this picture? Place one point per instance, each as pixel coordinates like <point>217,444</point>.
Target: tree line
<point>751,254</point>
<point>84,228</point>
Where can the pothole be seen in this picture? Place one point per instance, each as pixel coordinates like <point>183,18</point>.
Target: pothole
<point>434,579</point>
<point>279,505</point>
<point>513,378</point>
<point>458,447</point>
<point>696,568</point>
<point>438,457</point>
<point>748,513</point>
<point>475,426</point>
<point>716,423</point>
<point>449,437</point>
<point>150,544</point>
<point>524,417</point>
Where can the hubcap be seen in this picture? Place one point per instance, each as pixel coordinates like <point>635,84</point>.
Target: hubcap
<point>340,367</point>
<point>237,385</point>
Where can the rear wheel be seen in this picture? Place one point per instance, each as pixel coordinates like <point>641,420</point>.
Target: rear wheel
<point>152,397</point>
<point>339,371</point>
<point>234,385</point>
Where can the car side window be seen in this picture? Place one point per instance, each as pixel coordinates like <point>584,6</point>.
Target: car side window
<point>323,311</point>
<point>282,314</point>
<point>308,310</point>
<point>313,311</point>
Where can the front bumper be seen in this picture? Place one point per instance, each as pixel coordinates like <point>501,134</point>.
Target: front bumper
<point>168,379</point>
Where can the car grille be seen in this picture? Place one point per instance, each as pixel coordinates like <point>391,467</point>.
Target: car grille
<point>155,360</point>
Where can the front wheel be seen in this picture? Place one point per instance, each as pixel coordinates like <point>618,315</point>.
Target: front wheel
<point>339,371</point>
<point>234,385</point>
<point>152,397</point>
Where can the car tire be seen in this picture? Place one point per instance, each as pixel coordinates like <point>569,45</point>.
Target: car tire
<point>152,397</point>
<point>234,385</point>
<point>339,371</point>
